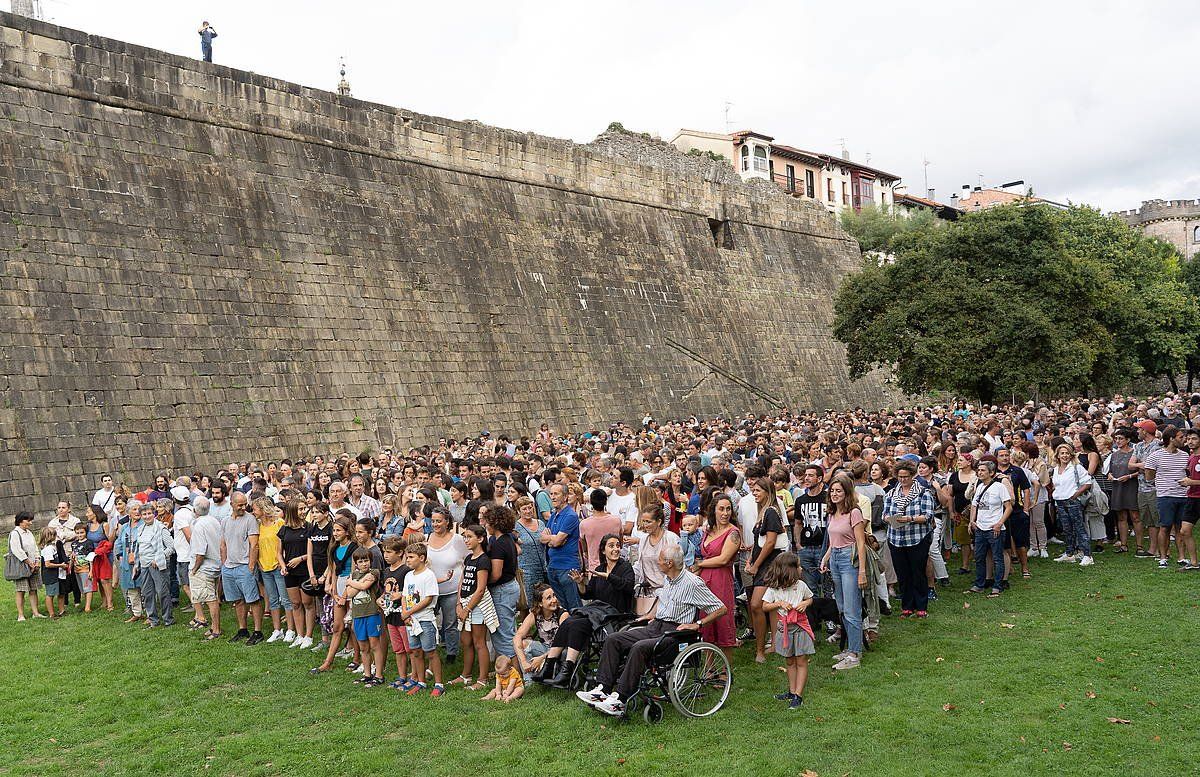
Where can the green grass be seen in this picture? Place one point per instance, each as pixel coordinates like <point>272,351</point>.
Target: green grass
<point>88,695</point>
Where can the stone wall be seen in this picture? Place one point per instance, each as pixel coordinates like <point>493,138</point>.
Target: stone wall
<point>203,264</point>
<point>1175,221</point>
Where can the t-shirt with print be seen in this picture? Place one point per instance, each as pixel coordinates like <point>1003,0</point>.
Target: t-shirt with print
<point>417,586</point>
<point>1193,473</point>
<point>319,536</point>
<point>82,550</point>
<point>362,604</point>
<point>989,503</point>
<point>810,519</point>
<point>393,582</point>
<point>470,575</point>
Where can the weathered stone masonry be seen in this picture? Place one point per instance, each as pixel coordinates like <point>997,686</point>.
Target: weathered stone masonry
<point>202,264</point>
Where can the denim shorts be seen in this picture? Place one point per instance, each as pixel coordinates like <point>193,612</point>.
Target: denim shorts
<point>52,588</point>
<point>181,572</point>
<point>1172,511</point>
<point>368,626</point>
<point>426,640</point>
<point>239,585</point>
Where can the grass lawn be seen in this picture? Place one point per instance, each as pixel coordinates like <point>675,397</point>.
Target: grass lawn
<point>958,694</point>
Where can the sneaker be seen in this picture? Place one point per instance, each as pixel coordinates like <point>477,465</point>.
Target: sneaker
<point>1162,563</point>
<point>1182,562</point>
<point>1056,541</point>
<point>787,696</point>
<point>1068,558</point>
<point>320,647</point>
<point>922,613</point>
<point>290,637</point>
<point>1044,553</point>
<point>255,638</point>
<point>1190,568</point>
<point>611,706</point>
<point>837,658</point>
<point>849,662</point>
<point>933,597</point>
<point>795,702</point>
<point>437,691</point>
<point>343,653</point>
<point>302,642</point>
<point>973,590</point>
<point>1142,553</point>
<point>415,688</point>
<point>594,696</point>
<point>1086,561</point>
<point>241,634</point>
<point>276,635</point>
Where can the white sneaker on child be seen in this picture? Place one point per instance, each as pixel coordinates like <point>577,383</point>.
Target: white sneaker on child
<point>289,637</point>
<point>276,635</point>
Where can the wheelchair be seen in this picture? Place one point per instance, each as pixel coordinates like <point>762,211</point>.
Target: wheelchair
<point>588,667</point>
<point>693,675</point>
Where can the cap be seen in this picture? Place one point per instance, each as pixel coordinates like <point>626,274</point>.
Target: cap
<point>181,494</point>
<point>914,458</point>
<point>1147,426</point>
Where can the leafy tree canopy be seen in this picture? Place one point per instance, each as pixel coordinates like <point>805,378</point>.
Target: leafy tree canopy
<point>1016,299</point>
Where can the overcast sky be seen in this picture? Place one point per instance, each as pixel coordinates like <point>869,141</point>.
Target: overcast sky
<point>1092,102</point>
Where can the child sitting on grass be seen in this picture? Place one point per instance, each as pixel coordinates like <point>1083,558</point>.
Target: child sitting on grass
<point>368,625</point>
<point>54,572</point>
<point>787,593</point>
<point>390,604</point>
<point>509,683</point>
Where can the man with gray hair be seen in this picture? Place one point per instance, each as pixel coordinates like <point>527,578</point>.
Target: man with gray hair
<point>337,499</point>
<point>678,604</point>
<point>206,568</point>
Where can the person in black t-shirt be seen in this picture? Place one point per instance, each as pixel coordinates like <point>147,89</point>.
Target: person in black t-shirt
<point>502,583</point>
<point>472,617</point>
<point>391,604</point>
<point>810,522</point>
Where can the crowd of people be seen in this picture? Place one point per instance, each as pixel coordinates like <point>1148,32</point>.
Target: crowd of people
<point>488,563</point>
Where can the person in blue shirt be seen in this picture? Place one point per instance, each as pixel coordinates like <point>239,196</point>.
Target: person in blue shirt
<point>207,34</point>
<point>561,538</point>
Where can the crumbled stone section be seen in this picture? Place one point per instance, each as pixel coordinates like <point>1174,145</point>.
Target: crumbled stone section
<point>202,264</point>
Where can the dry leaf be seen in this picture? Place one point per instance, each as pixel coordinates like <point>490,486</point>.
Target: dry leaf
<point>938,660</point>
<point>1119,596</point>
<point>966,605</point>
<point>1022,739</point>
<point>948,707</point>
<point>1152,703</point>
<point>1120,720</point>
<point>1009,625</point>
<point>1090,694</point>
<point>620,762</point>
<point>1099,660</point>
<point>1157,738</point>
<point>1066,745</point>
<point>808,773</point>
<point>1062,706</point>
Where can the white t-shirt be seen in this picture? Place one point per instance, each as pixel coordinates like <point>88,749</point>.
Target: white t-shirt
<point>106,500</point>
<point>747,516</point>
<point>625,507</point>
<point>206,542</point>
<point>793,596</point>
<point>418,585</point>
<point>184,517</point>
<point>989,503</point>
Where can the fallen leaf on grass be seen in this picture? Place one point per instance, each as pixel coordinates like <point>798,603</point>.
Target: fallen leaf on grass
<point>1099,660</point>
<point>620,762</point>
<point>1119,596</point>
<point>1022,739</point>
<point>1157,738</point>
<point>1062,706</point>
<point>1152,703</point>
<point>966,605</point>
<point>1066,745</point>
<point>1009,625</point>
<point>1090,694</point>
<point>948,707</point>
<point>938,660</point>
<point>809,773</point>
<point>1119,720</point>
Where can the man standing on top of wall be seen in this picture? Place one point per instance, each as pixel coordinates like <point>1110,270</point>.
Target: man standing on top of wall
<point>207,34</point>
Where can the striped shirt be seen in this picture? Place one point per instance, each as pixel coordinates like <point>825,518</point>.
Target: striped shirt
<point>1168,469</point>
<point>680,598</point>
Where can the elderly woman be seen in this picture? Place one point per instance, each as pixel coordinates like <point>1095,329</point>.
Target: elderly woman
<point>908,508</point>
<point>23,547</point>
<point>123,552</point>
<point>656,538</point>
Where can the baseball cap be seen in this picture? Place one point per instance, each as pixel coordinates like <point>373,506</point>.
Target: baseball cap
<point>1147,426</point>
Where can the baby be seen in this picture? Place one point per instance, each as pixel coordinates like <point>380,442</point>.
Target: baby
<point>689,539</point>
<point>509,684</point>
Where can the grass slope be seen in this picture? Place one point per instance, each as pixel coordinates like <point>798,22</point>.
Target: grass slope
<point>958,694</point>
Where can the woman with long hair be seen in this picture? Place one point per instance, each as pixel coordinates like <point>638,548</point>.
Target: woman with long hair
<point>846,561</point>
<point>766,546</point>
<point>446,552</point>
<point>270,564</point>
<point>718,549</point>
<point>339,565</point>
<point>293,558</point>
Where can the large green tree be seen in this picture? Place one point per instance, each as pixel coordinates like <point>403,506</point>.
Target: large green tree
<point>1017,299</point>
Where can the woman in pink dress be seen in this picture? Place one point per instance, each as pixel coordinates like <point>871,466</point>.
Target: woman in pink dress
<point>722,540</point>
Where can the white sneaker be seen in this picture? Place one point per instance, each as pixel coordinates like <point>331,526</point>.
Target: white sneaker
<point>289,637</point>
<point>303,642</point>
<point>594,696</point>
<point>1044,553</point>
<point>360,669</point>
<point>611,706</point>
<point>1086,561</point>
<point>1067,557</point>
<point>849,662</point>
<point>1056,541</point>
<point>841,655</point>
<point>343,653</point>
<point>276,635</point>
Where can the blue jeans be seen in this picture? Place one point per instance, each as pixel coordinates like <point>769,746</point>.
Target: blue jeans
<point>1074,527</point>
<point>273,584</point>
<point>564,588</point>
<point>848,596</point>
<point>447,623</point>
<point>810,569</point>
<point>985,540</point>
<point>504,597</point>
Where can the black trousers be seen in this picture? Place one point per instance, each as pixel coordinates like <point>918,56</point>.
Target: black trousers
<point>638,643</point>
<point>910,573</point>
<point>574,633</point>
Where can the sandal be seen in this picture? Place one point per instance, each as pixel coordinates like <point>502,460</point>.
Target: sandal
<point>478,685</point>
<point>318,670</point>
<point>460,680</point>
<point>197,624</point>
<point>210,635</point>
<point>1027,574</point>
<point>350,667</point>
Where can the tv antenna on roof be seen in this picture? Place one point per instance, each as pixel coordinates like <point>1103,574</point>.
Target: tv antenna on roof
<point>728,126</point>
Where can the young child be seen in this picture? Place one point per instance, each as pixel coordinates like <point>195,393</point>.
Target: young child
<point>390,605</point>
<point>509,683</point>
<point>84,551</point>
<point>689,539</point>
<point>471,592</point>
<point>788,594</point>
<point>368,625</point>
<point>54,571</point>
<point>419,597</point>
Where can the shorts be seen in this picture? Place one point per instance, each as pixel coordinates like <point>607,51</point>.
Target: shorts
<point>52,589</point>
<point>1018,529</point>
<point>368,626</point>
<point>293,581</point>
<point>204,588</point>
<point>239,585</point>
<point>84,580</point>
<point>426,640</point>
<point>181,572</point>
<point>1193,515</point>
<point>474,618</point>
<point>1148,507</point>
<point>794,642</point>
<point>399,637</point>
<point>1172,511</point>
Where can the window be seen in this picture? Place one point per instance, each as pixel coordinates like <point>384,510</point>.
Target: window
<point>810,184</point>
<point>1196,235</point>
<point>829,192</point>
<point>745,159</point>
<point>791,178</point>
<point>760,160</point>
<point>771,168</point>
<point>845,193</point>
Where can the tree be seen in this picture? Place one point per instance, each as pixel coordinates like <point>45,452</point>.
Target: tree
<point>875,228</point>
<point>1017,299</point>
<point>1190,271</point>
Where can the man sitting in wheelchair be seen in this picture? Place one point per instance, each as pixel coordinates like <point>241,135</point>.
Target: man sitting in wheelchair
<point>679,602</point>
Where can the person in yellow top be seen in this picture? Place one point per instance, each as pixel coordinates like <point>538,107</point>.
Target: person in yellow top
<point>510,685</point>
<point>271,582</point>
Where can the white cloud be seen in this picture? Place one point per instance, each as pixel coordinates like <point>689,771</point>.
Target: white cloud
<point>1087,101</point>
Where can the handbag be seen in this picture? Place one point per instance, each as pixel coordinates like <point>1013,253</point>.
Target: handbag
<point>14,568</point>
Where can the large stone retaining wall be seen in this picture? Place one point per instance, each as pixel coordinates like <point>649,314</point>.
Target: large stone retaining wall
<point>202,264</point>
